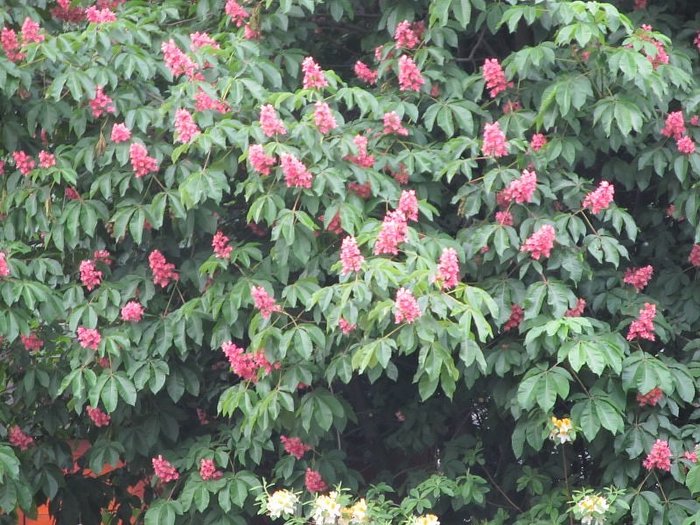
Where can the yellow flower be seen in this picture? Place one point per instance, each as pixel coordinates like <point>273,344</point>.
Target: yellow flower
<point>355,514</point>
<point>562,431</point>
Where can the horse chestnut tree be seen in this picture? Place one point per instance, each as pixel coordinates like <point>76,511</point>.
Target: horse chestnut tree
<point>348,261</point>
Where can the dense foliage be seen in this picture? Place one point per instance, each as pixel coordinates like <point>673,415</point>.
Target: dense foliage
<point>435,254</point>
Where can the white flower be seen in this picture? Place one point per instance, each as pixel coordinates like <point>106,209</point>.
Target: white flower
<point>281,502</point>
<point>591,509</point>
<point>326,509</point>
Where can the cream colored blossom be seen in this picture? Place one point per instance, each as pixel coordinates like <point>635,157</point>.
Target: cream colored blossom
<point>281,502</point>
<point>591,509</point>
<point>326,510</point>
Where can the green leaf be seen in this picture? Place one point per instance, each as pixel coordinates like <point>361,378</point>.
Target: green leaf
<point>163,512</point>
<point>692,479</point>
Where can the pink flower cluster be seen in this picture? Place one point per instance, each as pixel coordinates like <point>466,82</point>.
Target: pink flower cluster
<point>18,438</point>
<point>259,160</point>
<point>335,226</point>
<point>408,205</point>
<point>504,218</point>
<point>270,122</point>
<point>540,243</point>
<point>207,470</point>
<point>120,133</point>
<point>409,34</point>
<point>516,317</point>
<point>102,256</point>
<point>364,191</point>
<point>685,145</point>
<point>495,144</point>
<point>392,124</point>
<point>178,62</point>
<point>4,267</point>
<point>577,310</point>
<point>89,338</point>
<point>364,73</point>
<point>296,175</point>
<point>31,342</point>
<point>221,245</point>
<point>24,163</point>
<point>98,417</point>
<point>350,256</point>
<point>164,469</point>
<point>659,457</point>
<point>101,103</point>
<point>294,446</point>
<point>395,225</point>
<point>651,398</point>
<point>71,194</point>
<point>658,58</point>
<point>519,190</point>
<point>346,326</point>
<point>203,102</point>
<point>407,309</point>
<point>10,44</point>
<point>494,76</point>
<point>236,12</point>
<point>314,481</point>
<point>675,127</point>
<point>694,257</point>
<point>46,160</point>
<point>90,276</point>
<point>537,142</point>
<point>199,40</point>
<point>264,302</point>
<point>185,127</point>
<point>643,327</point>
<point>323,118</point>
<point>638,277</point>
<point>448,269</point>
<point>600,198</point>
<point>313,75</point>
<point>250,33</point>
<point>99,16</point>
<point>68,13</point>
<point>132,312</point>
<point>247,365</point>
<point>363,158</point>
<point>410,77</point>
<point>31,32</point>
<point>163,271</point>
<point>393,232</point>
<point>141,163</point>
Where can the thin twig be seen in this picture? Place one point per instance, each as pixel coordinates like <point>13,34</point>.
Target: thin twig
<point>566,480</point>
<point>500,490</point>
